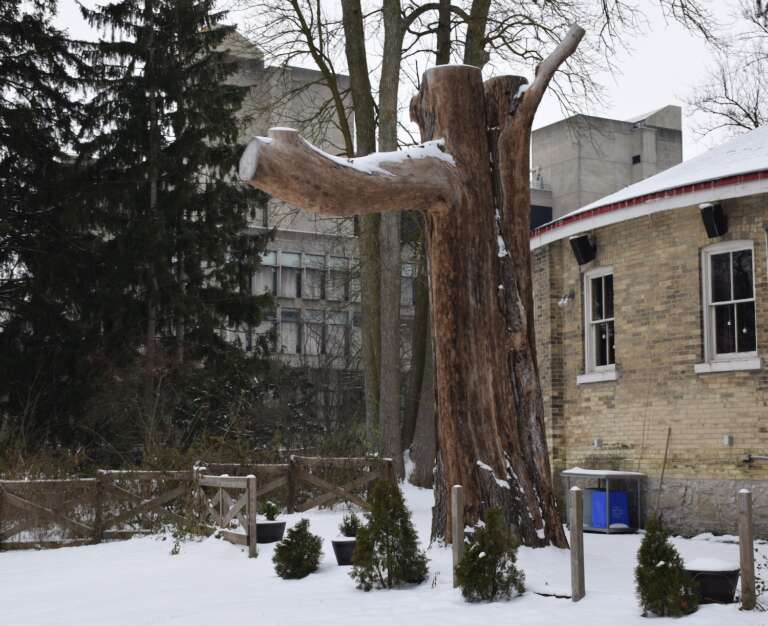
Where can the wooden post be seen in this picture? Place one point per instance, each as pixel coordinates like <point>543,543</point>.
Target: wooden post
<point>98,517</point>
<point>251,508</point>
<point>389,471</point>
<point>576,526</point>
<point>457,527</point>
<point>746,550</point>
<point>291,485</point>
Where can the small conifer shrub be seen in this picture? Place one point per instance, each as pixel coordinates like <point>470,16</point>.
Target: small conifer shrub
<point>270,510</point>
<point>387,553</point>
<point>298,555</point>
<point>663,586</point>
<point>487,571</point>
<point>350,525</point>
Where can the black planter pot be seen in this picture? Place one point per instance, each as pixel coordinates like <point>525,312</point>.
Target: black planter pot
<point>269,532</point>
<point>344,549</point>
<point>716,587</point>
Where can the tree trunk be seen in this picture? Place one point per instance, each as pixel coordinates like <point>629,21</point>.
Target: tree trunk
<point>489,403</point>
<point>424,445</point>
<point>490,427</point>
<point>474,47</point>
<point>369,249</point>
<point>420,344</point>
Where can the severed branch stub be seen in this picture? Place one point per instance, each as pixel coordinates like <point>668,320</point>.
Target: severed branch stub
<point>471,180</point>
<point>288,167</point>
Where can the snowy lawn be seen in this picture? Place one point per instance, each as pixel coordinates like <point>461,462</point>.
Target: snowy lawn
<point>211,582</point>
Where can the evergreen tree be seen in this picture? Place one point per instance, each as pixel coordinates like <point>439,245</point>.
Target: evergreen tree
<point>298,555</point>
<point>487,570</point>
<point>158,156</point>
<point>387,550</point>
<point>663,586</point>
<point>41,247</point>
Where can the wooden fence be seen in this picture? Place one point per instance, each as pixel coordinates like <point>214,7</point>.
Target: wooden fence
<point>119,504</point>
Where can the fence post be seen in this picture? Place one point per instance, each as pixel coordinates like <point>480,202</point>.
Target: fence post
<point>457,527</point>
<point>251,487</point>
<point>291,484</point>
<point>389,471</point>
<point>746,550</point>
<point>98,517</point>
<point>576,526</point>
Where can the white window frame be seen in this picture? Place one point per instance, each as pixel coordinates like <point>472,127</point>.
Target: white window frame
<point>595,373</point>
<point>732,361</point>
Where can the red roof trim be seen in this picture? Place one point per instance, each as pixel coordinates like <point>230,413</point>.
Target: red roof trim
<point>668,193</point>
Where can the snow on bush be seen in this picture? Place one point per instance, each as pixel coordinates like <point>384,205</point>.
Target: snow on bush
<point>487,571</point>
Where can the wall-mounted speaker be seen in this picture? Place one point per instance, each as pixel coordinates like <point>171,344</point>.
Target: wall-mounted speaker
<point>583,248</point>
<point>715,220</point>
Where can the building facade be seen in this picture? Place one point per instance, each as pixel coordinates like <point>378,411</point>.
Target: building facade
<point>664,325</point>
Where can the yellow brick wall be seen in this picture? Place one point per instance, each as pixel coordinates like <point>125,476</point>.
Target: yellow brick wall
<point>658,319</point>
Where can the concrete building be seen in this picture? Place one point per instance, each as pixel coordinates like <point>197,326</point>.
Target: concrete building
<point>663,325</point>
<point>582,158</point>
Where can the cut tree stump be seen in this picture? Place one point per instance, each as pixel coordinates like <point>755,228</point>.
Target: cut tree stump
<point>470,178</point>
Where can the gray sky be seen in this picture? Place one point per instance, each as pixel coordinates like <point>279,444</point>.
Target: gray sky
<point>661,67</point>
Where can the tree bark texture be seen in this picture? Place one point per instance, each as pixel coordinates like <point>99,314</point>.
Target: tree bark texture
<point>424,447</point>
<point>490,428</point>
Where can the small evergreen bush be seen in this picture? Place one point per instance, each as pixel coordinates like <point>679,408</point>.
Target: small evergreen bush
<point>350,525</point>
<point>487,570</point>
<point>298,555</point>
<point>663,586</point>
<point>387,553</point>
<point>270,510</point>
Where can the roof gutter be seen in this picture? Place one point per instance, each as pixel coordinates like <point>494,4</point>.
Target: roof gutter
<point>677,197</point>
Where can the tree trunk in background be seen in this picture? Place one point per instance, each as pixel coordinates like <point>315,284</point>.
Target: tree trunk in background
<point>420,343</point>
<point>475,52</point>
<point>424,446</point>
<point>443,53</point>
<point>389,245</point>
<point>369,250</point>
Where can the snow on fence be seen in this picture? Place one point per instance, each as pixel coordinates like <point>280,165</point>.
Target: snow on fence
<point>118,504</point>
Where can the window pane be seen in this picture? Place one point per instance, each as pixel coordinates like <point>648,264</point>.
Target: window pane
<point>608,292</point>
<point>268,258</point>
<point>601,344</point>
<point>721,277</point>
<point>742,274</point>
<point>290,286</point>
<point>724,329</point>
<point>611,341</point>
<point>289,331</point>
<point>313,283</point>
<point>264,281</point>
<point>597,298</point>
<point>290,259</point>
<point>313,338</point>
<point>745,315</point>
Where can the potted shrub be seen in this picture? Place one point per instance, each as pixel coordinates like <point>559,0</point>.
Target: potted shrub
<point>298,555</point>
<point>717,580</point>
<point>487,571</point>
<point>344,546</point>
<point>272,529</point>
<point>387,553</point>
<point>663,586</point>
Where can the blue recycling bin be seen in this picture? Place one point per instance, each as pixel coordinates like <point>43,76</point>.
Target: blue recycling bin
<point>619,508</point>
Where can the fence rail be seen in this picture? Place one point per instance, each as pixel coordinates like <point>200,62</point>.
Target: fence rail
<point>118,504</point>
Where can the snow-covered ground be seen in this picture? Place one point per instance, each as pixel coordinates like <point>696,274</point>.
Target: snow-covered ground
<point>211,583</point>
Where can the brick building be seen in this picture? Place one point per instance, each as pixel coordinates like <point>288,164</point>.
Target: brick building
<point>662,323</point>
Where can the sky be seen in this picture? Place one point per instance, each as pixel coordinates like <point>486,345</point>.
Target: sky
<point>661,66</point>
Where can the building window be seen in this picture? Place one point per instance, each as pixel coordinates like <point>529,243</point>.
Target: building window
<point>314,277</point>
<point>265,277</point>
<point>338,279</point>
<point>312,331</point>
<point>407,293</point>
<point>599,340</point>
<point>336,344</point>
<point>290,274</point>
<point>290,331</point>
<point>728,295</point>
